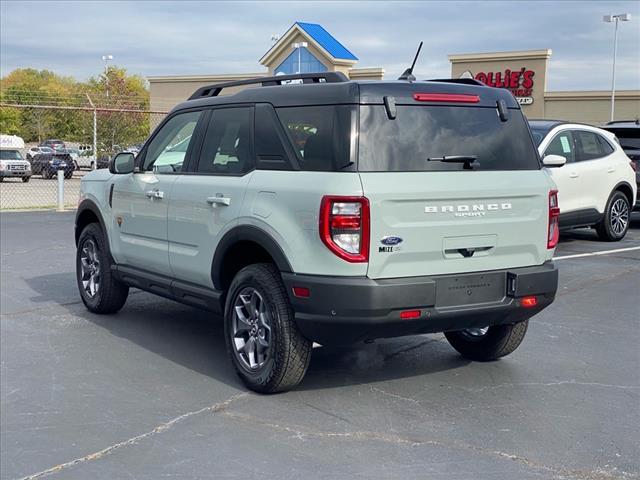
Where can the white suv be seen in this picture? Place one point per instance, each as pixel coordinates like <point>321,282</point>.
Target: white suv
<point>596,182</point>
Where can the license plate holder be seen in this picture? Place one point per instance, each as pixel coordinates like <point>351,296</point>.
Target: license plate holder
<point>471,289</point>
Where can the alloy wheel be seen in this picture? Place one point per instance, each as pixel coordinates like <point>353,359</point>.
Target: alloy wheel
<point>251,328</point>
<point>619,217</point>
<point>90,268</point>
<point>476,333</point>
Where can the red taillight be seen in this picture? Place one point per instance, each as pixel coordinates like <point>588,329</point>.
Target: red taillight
<point>344,227</point>
<point>301,292</point>
<point>528,302</point>
<point>446,97</point>
<point>408,314</point>
<point>554,220</point>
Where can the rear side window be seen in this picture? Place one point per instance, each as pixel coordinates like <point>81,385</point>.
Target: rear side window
<point>562,144</point>
<point>588,146</point>
<point>605,146</point>
<point>320,135</point>
<point>228,146</point>
<point>422,132</point>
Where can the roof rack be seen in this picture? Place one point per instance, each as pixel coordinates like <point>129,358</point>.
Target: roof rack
<point>613,122</point>
<point>325,77</point>
<point>466,81</point>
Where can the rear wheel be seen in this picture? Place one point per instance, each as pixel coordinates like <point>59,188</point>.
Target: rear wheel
<point>100,291</point>
<point>615,222</point>
<point>267,350</point>
<point>488,343</point>
<point>68,175</point>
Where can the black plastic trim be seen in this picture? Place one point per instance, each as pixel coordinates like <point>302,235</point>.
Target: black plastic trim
<point>252,234</point>
<point>183,292</point>
<point>84,206</point>
<point>348,309</point>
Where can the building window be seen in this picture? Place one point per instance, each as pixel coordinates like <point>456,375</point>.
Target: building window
<point>308,63</point>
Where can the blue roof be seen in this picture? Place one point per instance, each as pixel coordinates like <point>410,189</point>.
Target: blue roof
<point>327,41</point>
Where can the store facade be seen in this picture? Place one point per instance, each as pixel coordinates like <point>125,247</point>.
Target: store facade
<point>307,47</point>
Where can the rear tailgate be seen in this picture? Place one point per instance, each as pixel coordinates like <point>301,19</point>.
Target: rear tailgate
<point>453,187</point>
<point>476,221</point>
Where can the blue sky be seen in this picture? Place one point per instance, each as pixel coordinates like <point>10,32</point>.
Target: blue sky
<point>173,38</point>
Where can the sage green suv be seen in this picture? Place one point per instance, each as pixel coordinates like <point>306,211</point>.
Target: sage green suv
<point>318,209</point>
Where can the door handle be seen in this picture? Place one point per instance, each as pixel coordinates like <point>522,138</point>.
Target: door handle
<point>223,201</point>
<point>154,194</point>
<point>573,175</point>
<point>611,169</point>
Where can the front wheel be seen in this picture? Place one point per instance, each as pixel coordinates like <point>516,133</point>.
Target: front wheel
<point>267,350</point>
<point>25,179</point>
<point>488,343</point>
<point>615,222</point>
<point>99,290</point>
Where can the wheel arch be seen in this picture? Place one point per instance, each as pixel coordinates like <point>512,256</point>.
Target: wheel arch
<point>255,244</point>
<point>627,190</point>
<point>88,212</point>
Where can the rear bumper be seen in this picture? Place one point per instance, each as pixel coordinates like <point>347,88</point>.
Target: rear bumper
<point>349,309</point>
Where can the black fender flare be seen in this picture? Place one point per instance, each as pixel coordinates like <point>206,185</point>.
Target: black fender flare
<point>90,205</point>
<point>247,233</point>
<point>617,187</point>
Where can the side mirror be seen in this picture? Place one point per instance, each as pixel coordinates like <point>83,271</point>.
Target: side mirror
<point>122,163</point>
<point>554,161</point>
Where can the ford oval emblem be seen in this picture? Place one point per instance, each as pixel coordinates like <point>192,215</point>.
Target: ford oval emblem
<point>390,241</point>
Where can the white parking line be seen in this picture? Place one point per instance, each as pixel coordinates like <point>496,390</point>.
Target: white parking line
<point>591,254</point>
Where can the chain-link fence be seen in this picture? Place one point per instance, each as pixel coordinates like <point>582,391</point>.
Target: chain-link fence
<point>86,137</point>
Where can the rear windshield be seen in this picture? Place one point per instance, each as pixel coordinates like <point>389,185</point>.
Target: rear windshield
<point>10,155</point>
<point>420,133</point>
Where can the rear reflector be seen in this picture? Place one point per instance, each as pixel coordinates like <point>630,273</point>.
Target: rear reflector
<point>407,314</point>
<point>301,292</point>
<point>528,302</point>
<point>446,97</point>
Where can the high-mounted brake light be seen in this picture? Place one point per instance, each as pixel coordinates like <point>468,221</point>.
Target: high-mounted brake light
<point>554,220</point>
<point>344,227</point>
<point>446,97</point>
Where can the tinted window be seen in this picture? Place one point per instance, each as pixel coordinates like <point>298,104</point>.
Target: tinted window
<point>562,144</point>
<point>228,146</point>
<point>419,133</point>
<point>321,136</point>
<point>270,152</point>
<point>605,146</point>
<point>588,146</point>
<point>167,151</point>
<point>629,138</point>
<point>538,135</point>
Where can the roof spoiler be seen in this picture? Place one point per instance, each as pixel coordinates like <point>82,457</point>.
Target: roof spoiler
<point>465,81</point>
<point>325,77</point>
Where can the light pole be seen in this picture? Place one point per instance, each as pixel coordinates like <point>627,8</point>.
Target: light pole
<point>105,59</point>
<point>625,17</point>
<point>298,46</point>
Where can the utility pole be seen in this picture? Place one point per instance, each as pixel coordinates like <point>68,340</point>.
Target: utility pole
<point>105,59</point>
<point>625,17</point>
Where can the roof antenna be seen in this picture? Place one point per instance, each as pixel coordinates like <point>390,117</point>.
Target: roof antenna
<point>408,73</point>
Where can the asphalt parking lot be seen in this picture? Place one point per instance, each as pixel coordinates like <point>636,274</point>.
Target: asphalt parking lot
<point>150,393</point>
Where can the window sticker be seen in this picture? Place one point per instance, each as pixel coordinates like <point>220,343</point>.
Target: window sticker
<point>565,145</point>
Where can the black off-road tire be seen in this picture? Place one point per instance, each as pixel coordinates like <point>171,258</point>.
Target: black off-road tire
<point>500,340</point>
<point>605,227</point>
<point>289,352</point>
<point>111,294</point>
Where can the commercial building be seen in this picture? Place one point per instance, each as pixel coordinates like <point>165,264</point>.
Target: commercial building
<point>308,47</point>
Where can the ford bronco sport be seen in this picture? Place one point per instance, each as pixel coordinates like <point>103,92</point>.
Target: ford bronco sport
<point>331,211</point>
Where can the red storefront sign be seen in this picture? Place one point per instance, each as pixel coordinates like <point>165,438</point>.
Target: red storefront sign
<point>520,82</point>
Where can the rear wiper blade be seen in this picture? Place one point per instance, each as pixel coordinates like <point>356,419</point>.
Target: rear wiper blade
<point>469,161</point>
<point>454,159</point>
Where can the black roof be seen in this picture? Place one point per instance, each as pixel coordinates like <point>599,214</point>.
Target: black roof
<point>337,89</point>
<point>623,124</point>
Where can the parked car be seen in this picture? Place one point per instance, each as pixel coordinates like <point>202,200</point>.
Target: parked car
<point>12,164</point>
<point>440,220</point>
<point>48,164</point>
<point>628,135</point>
<point>595,178</point>
<point>37,151</point>
<point>53,143</point>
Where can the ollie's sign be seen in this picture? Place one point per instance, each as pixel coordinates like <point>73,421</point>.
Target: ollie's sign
<point>520,82</point>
